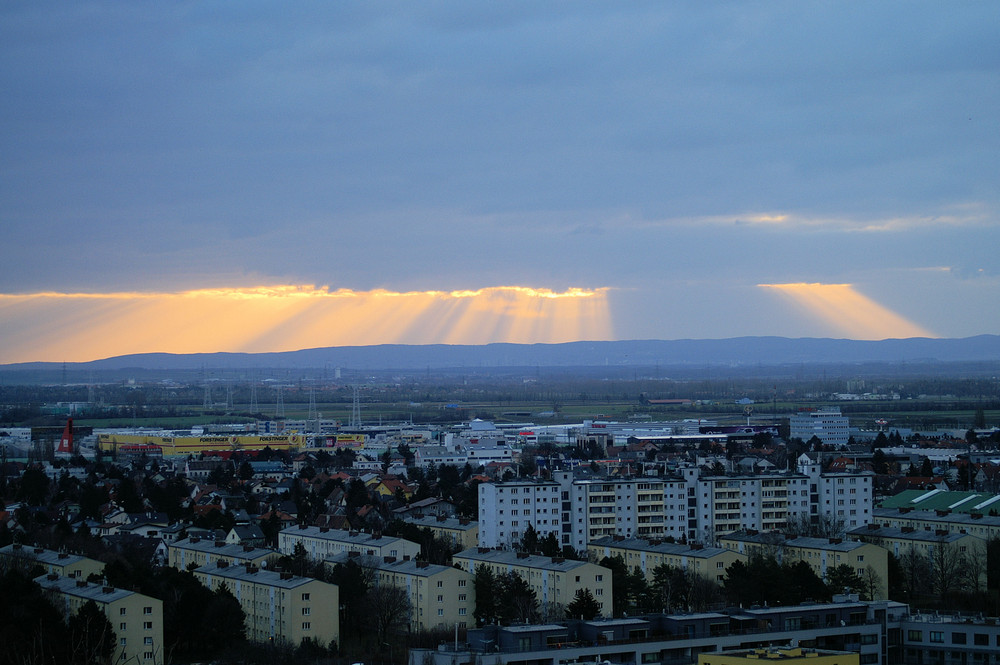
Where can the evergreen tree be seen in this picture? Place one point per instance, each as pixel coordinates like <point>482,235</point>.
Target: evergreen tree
<point>583,606</point>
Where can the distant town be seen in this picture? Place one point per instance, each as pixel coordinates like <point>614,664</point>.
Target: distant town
<point>530,518</point>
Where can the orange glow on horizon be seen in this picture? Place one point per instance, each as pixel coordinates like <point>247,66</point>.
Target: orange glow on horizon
<point>78,327</point>
<point>848,312</point>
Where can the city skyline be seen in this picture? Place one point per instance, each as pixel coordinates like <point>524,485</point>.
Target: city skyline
<point>196,178</point>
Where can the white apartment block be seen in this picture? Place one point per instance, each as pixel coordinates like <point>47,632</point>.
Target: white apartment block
<point>828,425</point>
<point>593,509</point>
<point>507,509</point>
<point>842,500</point>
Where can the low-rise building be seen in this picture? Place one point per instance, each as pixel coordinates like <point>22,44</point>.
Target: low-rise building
<point>198,552</point>
<point>941,548</point>
<point>648,555</point>
<point>63,564</point>
<point>458,531</point>
<point>321,543</point>
<point>440,596</point>
<point>278,607</point>
<point>554,580</point>
<point>136,619</point>
<point>868,561</point>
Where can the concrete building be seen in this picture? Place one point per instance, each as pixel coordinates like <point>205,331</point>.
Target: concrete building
<point>868,561</point>
<point>709,562</point>
<point>837,500</point>
<point>63,564</point>
<point>950,639</point>
<point>278,607</point>
<point>136,619</point>
<point>460,532</point>
<point>870,630</point>
<point>440,596</point>
<point>198,552</point>
<point>938,547</point>
<point>507,509</point>
<point>593,509</point>
<point>321,543</point>
<point>828,425</point>
<point>979,525</point>
<point>554,580</point>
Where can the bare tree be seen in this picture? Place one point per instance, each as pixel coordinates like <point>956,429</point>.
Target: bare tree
<point>916,569</point>
<point>871,584</point>
<point>974,570</point>
<point>388,609</point>
<point>947,565</point>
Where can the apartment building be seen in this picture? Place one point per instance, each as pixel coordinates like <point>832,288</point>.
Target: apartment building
<point>554,580</point>
<point>842,501</point>
<point>868,561</point>
<point>595,508</point>
<point>440,596</point>
<point>982,526</point>
<point>647,556</point>
<point>718,505</point>
<point>198,552</point>
<point>933,545</point>
<point>460,532</point>
<point>63,564</point>
<point>507,509</point>
<point>828,425</point>
<point>278,607</point>
<point>950,639</point>
<point>136,619</point>
<point>321,543</point>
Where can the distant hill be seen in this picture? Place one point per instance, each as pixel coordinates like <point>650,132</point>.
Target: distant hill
<point>738,351</point>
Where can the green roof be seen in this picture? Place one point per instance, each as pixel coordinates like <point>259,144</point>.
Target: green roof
<point>956,502</point>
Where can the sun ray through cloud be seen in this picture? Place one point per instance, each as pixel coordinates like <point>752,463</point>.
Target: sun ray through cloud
<point>86,326</point>
<point>847,312</point>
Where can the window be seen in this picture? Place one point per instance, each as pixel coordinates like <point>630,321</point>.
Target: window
<point>720,564</point>
<point>122,642</point>
<point>305,611</point>
<point>147,640</point>
<point>958,638</point>
<point>440,612</point>
<point>146,625</point>
<point>600,578</point>
<point>306,625</point>
<point>147,655</point>
<point>121,626</point>
<point>937,637</point>
<point>305,596</point>
<point>461,582</point>
<point>147,610</point>
<point>461,611</point>
<point>121,611</point>
<point>440,599</point>
<point>461,597</point>
<point>981,640</point>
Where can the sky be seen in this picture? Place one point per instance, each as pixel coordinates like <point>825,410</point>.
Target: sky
<point>264,176</point>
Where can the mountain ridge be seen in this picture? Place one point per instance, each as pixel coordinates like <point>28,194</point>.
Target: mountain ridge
<point>757,350</point>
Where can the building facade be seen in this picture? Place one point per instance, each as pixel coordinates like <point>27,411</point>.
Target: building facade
<point>136,619</point>
<point>321,543</point>
<point>507,509</point>
<point>278,607</point>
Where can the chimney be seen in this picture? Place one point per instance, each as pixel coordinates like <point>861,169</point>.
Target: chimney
<point>463,521</point>
<point>221,563</point>
<point>220,543</point>
<point>423,564</point>
<point>324,529</point>
<point>558,559</point>
<point>302,527</point>
<point>484,550</point>
<point>39,550</point>
<point>389,559</point>
<point>836,541</point>
<point>873,527</point>
<point>907,529</point>
<point>522,555</point>
<point>940,532</point>
<point>63,555</point>
<point>286,576</point>
<point>52,577</point>
<point>108,589</point>
<point>406,557</point>
<point>18,546</point>
<point>248,548</point>
<point>976,516</point>
<point>80,583</point>
<point>195,539</point>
